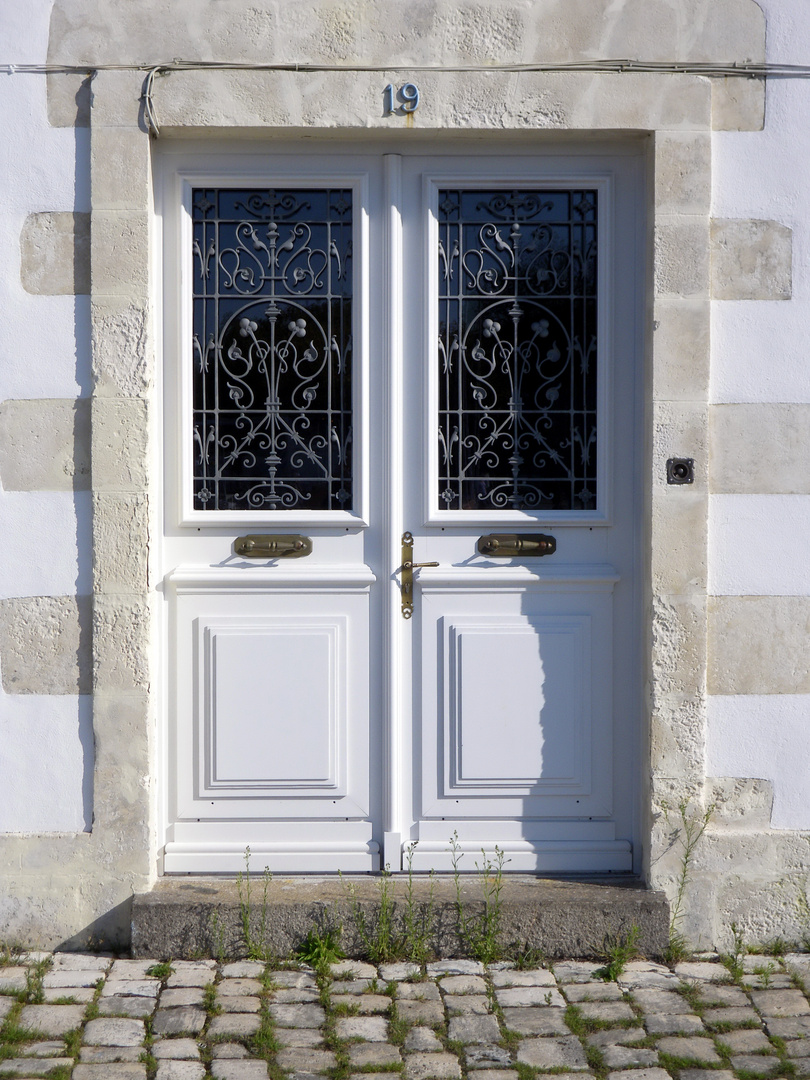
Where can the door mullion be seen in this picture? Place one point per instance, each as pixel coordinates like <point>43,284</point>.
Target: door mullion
<point>393,322</point>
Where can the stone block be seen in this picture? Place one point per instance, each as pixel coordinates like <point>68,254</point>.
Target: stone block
<point>553,1053</point>
<point>148,988</point>
<point>529,995</point>
<point>576,992</point>
<point>681,339</point>
<point>45,645</point>
<point>721,995</point>
<point>122,643</point>
<point>131,1071</point>
<point>537,1021</point>
<point>68,99</point>
<point>236,987</point>
<point>123,364</point>
<point>354,969</point>
<point>296,1059</point>
<point>120,254</point>
<point>616,1037</point>
<point>660,1002</point>
<point>738,104</point>
<point>751,260</point>
<point>432,1067</point>
<point>756,1064</point>
<point>746,1041</point>
<point>105,1032</point>
<point>235,1025</point>
<point>55,253</point>
<point>239,1070</point>
<point>605,1011</point>
<point>690,1049</point>
<point>463,984</point>
<point>627,1057</point>
<point>683,177</point>
<point>639,1074</point>
<point>364,1004</point>
<point>51,1020</point>
<point>136,1007</point>
<point>487,1057</point>
<point>183,1021</point>
<point>422,1039</point>
<point>760,449</point>
<point>240,1004</point>
<point>298,1037</point>
<point>421,1012</point>
<point>398,972</point>
<point>27,1067</point>
<point>300,1016</point>
<point>779,1003</point>
<point>423,991</point>
<point>120,164</point>
<point>731,1016</point>
<point>120,444</point>
<point>108,1055</point>
<point>288,997</point>
<point>180,1070</point>
<point>185,995</point>
<point>45,444</point>
<point>455,967</point>
<point>364,1054</point>
<point>674,1024</point>
<point>467,1004</point>
<point>505,979</point>
<point>370,1028</point>
<point>243,969</point>
<point>681,267</point>
<point>758,645</point>
<point>176,1049</point>
<point>474,1029</point>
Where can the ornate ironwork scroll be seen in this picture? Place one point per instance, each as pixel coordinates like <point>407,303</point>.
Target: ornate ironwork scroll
<point>517,350</point>
<point>272,349</point>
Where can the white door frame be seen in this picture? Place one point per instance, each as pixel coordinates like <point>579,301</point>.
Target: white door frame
<point>394,828</point>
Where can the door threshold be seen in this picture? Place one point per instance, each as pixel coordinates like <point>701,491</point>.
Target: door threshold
<point>192,916</point>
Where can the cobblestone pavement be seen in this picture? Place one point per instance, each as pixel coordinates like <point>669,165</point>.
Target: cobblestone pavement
<point>86,1017</point>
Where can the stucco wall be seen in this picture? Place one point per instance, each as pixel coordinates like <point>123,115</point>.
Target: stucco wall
<point>723,668</point>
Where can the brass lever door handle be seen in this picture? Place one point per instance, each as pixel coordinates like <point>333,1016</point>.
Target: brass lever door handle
<point>406,574</point>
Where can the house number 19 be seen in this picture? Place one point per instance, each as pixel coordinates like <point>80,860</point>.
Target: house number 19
<point>407,95</point>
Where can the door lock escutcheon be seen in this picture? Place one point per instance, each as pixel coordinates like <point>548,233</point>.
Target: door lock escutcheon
<point>508,545</point>
<point>406,574</point>
<point>272,546</point>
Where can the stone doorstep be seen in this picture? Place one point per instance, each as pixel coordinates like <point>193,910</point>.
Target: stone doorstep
<point>563,918</point>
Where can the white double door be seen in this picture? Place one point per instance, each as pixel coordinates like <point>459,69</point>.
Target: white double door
<point>472,321</point>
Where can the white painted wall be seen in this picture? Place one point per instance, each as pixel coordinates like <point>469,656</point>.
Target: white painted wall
<point>46,745</point>
<point>760,544</point>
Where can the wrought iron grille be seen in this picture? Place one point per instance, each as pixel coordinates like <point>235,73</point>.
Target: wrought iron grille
<point>517,350</point>
<point>272,349</point>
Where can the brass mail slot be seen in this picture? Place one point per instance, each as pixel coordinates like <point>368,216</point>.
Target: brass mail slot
<point>263,546</point>
<point>507,545</point>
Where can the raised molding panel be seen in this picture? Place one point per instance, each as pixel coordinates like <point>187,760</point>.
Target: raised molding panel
<point>265,727</point>
<point>517,714</point>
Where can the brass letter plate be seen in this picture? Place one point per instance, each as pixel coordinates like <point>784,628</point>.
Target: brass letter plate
<point>508,545</point>
<point>262,546</point>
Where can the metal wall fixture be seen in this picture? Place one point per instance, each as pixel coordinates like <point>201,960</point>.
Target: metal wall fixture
<point>681,470</point>
<point>272,546</point>
<point>508,545</point>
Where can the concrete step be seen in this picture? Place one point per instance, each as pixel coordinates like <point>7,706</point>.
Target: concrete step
<point>190,917</point>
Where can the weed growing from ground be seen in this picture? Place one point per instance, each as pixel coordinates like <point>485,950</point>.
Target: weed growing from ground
<point>618,951</point>
<point>479,935</point>
<point>380,940</point>
<point>256,948</point>
<point>160,971</point>
<point>418,924</point>
<point>733,961</point>
<point>688,832</point>
<point>320,949</point>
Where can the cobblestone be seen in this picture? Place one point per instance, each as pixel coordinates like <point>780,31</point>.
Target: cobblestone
<point>448,1025</point>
